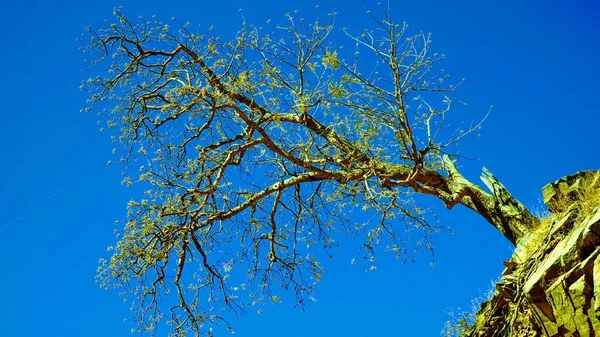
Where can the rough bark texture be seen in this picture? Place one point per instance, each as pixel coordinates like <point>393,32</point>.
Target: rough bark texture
<point>551,285</point>
<point>499,208</point>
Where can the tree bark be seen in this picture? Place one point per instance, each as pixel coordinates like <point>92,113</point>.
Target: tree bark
<point>499,208</point>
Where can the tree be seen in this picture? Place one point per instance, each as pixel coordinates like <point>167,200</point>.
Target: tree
<point>260,149</point>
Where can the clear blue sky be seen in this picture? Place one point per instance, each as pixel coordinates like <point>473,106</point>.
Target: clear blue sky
<point>535,61</point>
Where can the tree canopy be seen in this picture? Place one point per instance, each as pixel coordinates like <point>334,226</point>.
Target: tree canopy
<point>257,153</point>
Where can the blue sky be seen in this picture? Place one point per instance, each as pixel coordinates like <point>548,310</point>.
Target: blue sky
<point>534,61</point>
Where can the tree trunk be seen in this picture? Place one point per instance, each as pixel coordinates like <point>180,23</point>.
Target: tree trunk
<point>551,285</point>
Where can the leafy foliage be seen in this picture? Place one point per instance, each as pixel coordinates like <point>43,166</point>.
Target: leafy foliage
<point>258,152</point>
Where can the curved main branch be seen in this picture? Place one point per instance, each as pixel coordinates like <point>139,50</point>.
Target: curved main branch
<point>499,208</point>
